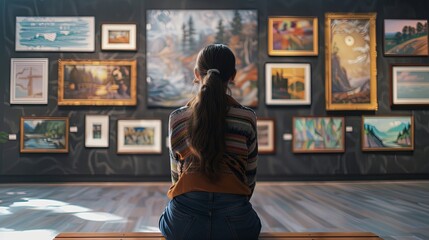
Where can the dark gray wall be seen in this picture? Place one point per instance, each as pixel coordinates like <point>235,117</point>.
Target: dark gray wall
<point>105,164</point>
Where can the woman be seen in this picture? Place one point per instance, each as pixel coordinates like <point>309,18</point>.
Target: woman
<point>213,154</point>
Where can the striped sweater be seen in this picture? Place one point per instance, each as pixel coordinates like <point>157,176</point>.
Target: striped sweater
<point>238,170</point>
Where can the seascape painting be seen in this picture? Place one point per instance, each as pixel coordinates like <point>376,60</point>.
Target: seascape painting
<point>59,34</point>
<point>44,134</point>
<point>104,82</point>
<point>391,133</point>
<point>288,83</point>
<point>318,134</point>
<point>292,36</point>
<point>410,84</point>
<point>174,38</point>
<point>139,136</point>
<point>405,37</point>
<point>351,64</point>
<point>29,81</point>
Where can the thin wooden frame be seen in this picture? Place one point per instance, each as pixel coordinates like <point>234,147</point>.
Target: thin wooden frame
<point>413,94</point>
<point>419,44</point>
<point>28,70</point>
<point>377,139</point>
<point>270,146</point>
<point>101,122</point>
<point>293,35</point>
<point>295,149</point>
<point>349,95</point>
<point>23,149</point>
<point>131,45</point>
<point>156,147</point>
<point>114,82</point>
<point>271,100</point>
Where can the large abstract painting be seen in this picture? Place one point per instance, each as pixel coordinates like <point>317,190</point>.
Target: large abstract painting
<point>351,71</point>
<point>174,38</point>
<point>59,34</point>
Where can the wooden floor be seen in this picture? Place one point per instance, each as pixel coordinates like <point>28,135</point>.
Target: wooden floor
<point>392,210</point>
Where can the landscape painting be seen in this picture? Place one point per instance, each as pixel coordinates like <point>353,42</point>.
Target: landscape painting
<point>318,134</point>
<point>292,36</point>
<point>410,84</point>
<point>387,133</point>
<point>351,82</point>
<point>29,81</point>
<point>58,34</point>
<point>266,135</point>
<point>120,37</point>
<point>288,83</point>
<point>405,37</point>
<point>97,82</point>
<point>44,134</point>
<point>174,38</point>
<point>139,136</point>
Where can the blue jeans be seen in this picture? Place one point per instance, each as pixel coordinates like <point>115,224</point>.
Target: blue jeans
<point>209,216</point>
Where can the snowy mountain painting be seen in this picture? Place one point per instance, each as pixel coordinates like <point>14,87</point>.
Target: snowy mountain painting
<point>60,34</point>
<point>387,133</point>
<point>174,38</point>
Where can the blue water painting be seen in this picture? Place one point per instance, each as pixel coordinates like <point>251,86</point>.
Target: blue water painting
<point>413,84</point>
<point>62,34</point>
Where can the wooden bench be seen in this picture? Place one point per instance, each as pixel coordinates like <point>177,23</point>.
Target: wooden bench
<point>266,235</point>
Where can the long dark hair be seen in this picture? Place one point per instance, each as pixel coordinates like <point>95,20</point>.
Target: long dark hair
<point>207,124</point>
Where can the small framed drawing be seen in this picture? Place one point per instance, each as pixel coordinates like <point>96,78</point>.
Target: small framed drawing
<point>318,134</point>
<point>387,133</point>
<point>405,37</point>
<point>292,36</point>
<point>410,84</point>
<point>97,82</point>
<point>139,136</point>
<point>351,64</point>
<point>29,81</point>
<point>44,135</point>
<point>96,131</point>
<point>117,36</point>
<point>55,34</point>
<point>266,135</point>
<point>288,83</point>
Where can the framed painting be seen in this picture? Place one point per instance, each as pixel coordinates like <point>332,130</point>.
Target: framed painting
<point>387,133</point>
<point>266,135</point>
<point>292,36</point>
<point>44,135</point>
<point>181,34</point>
<point>97,82</point>
<point>410,84</point>
<point>405,37</point>
<point>29,81</point>
<point>55,34</point>
<point>318,134</point>
<point>288,83</point>
<point>122,37</point>
<point>139,136</point>
<point>351,69</point>
<point>97,131</point>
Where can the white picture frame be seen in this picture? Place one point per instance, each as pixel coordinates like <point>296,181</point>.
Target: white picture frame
<point>29,80</point>
<point>97,131</point>
<point>139,136</point>
<point>293,94</point>
<point>119,37</point>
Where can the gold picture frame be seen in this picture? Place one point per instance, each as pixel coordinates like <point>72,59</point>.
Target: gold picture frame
<point>97,82</point>
<point>39,136</point>
<point>303,31</point>
<point>351,58</point>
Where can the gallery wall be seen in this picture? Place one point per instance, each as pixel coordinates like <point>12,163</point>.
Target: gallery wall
<point>87,164</point>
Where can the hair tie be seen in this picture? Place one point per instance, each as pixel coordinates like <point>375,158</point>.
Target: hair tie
<point>213,70</point>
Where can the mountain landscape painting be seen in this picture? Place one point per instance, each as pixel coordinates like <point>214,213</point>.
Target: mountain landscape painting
<point>318,134</point>
<point>174,38</point>
<point>387,133</point>
<point>405,37</point>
